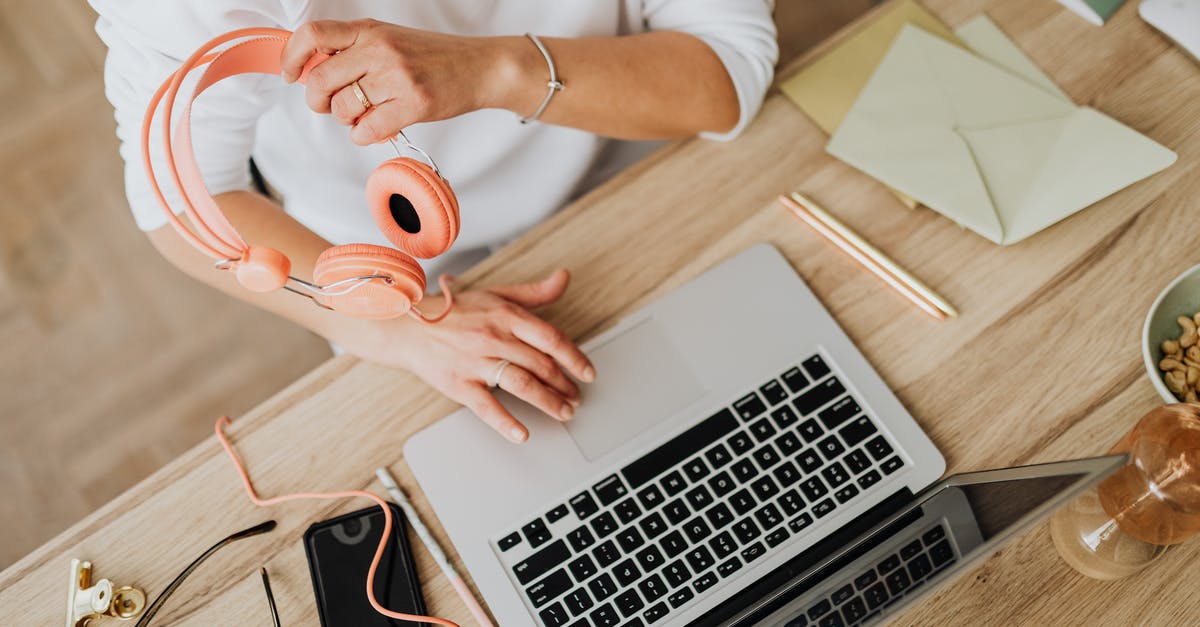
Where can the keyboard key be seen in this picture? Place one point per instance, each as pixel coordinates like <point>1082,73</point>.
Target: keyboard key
<point>831,620</point>
<point>537,533</point>
<point>556,514</point>
<point>673,544</point>
<point>582,567</point>
<point>744,470</point>
<point>858,430</point>
<point>718,456</point>
<point>740,442</point>
<point>581,538</point>
<point>835,474</point>
<point>719,515</point>
<point>843,594</point>
<point>630,539</point>
<point>721,483</point>
<point>679,448</point>
<point>649,558</point>
<point>704,582</point>
<point>933,535</point>
<point>699,498</point>
<point>696,529</point>
<point>777,537</point>
<point>888,564</point>
<point>815,367</point>
<point>602,587</point>
<point>627,511</point>
<point>919,567</point>
<point>650,496</point>
<point>813,488</point>
<point>729,566</point>
<point>791,502</point>
<point>541,562</point>
<point>636,622</point>
<point>941,553</point>
<point>819,609</point>
<point>695,469</point>
<point>818,396</point>
<point>786,474</point>
<point>584,505</point>
<point>879,448</point>
<point>839,412</point>
<point>762,430</point>
<point>628,603</point>
<point>509,541</point>
<point>677,511</point>
<point>673,483</point>
<point>768,516</point>
<point>753,552</point>
<point>605,616</point>
<point>865,579</point>
<point>610,490</point>
<point>554,616</point>
<point>795,380</point>
<point>606,554</point>
<point>773,392</point>
<point>810,430</point>
<point>798,621</point>
<point>676,573</point>
<point>876,596</point>
<point>699,558</point>
<point>652,588</point>
<point>823,508</point>
<point>799,523</point>
<point>764,488</point>
<point>681,597</point>
<point>891,465</point>
<point>578,601</point>
<point>809,460</point>
<point>766,456</point>
<point>604,524</point>
<point>857,461</point>
<point>910,550</point>
<point>749,406</point>
<point>722,544</point>
<point>869,479</point>
<point>788,443</point>
<point>653,525</point>
<point>742,502</point>
<point>784,417</point>
<point>551,587</point>
<point>656,612</point>
<point>626,573</point>
<point>830,447</point>
<point>897,581</point>
<point>846,493</point>
<point>746,530</point>
<point>854,610</point>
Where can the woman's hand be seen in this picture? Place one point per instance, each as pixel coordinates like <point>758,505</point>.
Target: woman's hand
<point>460,354</point>
<point>408,75</point>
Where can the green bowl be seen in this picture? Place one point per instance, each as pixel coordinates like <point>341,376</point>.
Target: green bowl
<point>1180,298</point>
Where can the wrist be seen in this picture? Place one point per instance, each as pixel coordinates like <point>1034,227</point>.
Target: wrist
<point>516,77</point>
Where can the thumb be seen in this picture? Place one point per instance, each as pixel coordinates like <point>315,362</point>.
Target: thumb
<point>539,294</point>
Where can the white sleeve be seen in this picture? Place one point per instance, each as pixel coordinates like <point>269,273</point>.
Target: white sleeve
<point>741,32</point>
<point>147,40</point>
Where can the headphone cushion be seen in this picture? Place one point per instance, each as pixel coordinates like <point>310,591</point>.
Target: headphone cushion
<point>435,204</point>
<point>375,300</point>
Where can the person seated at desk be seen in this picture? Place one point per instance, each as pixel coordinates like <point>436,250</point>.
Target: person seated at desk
<point>459,70</point>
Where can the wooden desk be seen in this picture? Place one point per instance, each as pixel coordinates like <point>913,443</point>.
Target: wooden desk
<point>1043,364</point>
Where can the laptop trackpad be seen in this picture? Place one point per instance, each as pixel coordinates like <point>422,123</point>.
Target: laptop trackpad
<point>641,379</point>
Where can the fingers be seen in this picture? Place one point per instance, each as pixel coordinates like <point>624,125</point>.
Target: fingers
<point>534,295</point>
<point>321,36</point>
<point>480,400</point>
<point>333,75</point>
<point>381,122</point>
<point>550,340</point>
<point>544,368</point>
<point>520,383</point>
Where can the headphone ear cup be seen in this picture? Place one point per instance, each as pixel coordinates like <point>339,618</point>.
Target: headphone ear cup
<point>413,206</point>
<point>375,300</point>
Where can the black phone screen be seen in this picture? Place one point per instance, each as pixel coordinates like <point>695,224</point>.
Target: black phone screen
<point>339,554</point>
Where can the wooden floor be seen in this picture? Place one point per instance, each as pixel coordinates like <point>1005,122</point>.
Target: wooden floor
<point>114,363</point>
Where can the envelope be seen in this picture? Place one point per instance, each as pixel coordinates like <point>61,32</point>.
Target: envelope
<point>982,146</point>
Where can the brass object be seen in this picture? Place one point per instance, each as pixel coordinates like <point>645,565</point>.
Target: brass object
<point>87,600</point>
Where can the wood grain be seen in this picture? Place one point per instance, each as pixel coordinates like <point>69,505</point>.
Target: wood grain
<point>1043,364</point>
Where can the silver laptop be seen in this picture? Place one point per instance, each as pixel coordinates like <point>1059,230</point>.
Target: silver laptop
<point>737,461</point>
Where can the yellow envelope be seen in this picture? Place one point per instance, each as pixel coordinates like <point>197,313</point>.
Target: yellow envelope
<point>983,146</point>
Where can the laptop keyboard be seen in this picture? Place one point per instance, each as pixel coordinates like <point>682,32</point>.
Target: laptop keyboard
<point>858,602</point>
<point>668,527</point>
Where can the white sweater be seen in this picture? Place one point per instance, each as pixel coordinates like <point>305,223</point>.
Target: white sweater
<point>508,176</point>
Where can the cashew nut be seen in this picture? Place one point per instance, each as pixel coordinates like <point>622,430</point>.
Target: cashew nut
<point>1188,339</point>
<point>1171,348</point>
<point>1176,381</point>
<point>1170,364</point>
<point>1190,397</point>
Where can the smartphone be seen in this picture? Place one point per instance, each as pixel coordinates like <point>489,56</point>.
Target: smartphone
<point>339,554</point>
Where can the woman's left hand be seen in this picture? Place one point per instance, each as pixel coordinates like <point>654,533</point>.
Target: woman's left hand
<point>407,75</point>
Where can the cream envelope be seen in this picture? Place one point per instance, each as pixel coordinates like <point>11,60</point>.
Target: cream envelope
<point>982,146</point>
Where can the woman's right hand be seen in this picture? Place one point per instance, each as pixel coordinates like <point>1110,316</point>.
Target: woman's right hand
<point>459,355</point>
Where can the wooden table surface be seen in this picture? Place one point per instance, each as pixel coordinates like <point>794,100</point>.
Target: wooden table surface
<point>1043,364</point>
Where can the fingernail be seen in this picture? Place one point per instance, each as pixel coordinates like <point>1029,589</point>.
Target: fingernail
<point>574,402</point>
<point>589,374</point>
<point>517,435</point>
<point>567,412</point>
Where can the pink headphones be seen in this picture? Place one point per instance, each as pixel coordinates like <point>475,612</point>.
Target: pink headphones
<point>410,201</point>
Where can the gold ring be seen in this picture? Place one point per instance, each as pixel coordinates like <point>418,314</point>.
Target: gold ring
<point>362,98</point>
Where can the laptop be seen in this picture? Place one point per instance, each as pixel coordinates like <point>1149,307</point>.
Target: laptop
<point>736,462</point>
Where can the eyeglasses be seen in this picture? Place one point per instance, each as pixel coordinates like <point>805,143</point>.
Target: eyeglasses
<point>258,529</point>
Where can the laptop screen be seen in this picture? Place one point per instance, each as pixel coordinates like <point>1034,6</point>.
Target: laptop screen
<point>908,546</point>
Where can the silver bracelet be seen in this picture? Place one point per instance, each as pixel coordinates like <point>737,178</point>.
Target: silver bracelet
<point>553,85</point>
